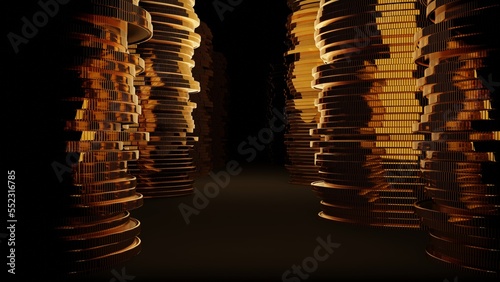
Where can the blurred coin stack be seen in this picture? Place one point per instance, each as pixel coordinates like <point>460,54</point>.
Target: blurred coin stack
<point>276,96</point>
<point>300,108</point>
<point>460,50</point>
<point>368,168</point>
<point>93,228</point>
<point>203,73</point>
<point>165,164</point>
<point>219,95</point>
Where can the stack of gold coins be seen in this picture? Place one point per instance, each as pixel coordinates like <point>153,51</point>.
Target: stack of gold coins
<point>219,95</point>
<point>369,172</point>
<point>300,108</point>
<point>203,73</point>
<point>165,164</point>
<point>93,229</point>
<point>460,50</point>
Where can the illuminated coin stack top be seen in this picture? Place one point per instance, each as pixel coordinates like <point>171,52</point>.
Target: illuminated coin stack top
<point>461,51</point>
<point>300,108</point>
<point>165,164</point>
<point>369,172</point>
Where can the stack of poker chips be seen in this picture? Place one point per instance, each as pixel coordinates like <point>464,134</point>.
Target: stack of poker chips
<point>165,164</point>
<point>369,171</point>
<point>300,108</point>
<point>93,229</point>
<point>219,95</point>
<point>203,73</point>
<point>460,50</point>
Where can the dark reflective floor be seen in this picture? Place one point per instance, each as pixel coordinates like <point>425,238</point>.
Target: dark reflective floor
<point>260,228</point>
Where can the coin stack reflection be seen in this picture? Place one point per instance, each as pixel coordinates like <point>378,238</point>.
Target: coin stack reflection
<point>203,73</point>
<point>94,230</point>
<point>165,164</point>
<point>460,50</point>
<point>300,108</point>
<point>368,169</point>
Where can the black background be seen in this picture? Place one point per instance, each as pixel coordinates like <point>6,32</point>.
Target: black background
<point>252,36</point>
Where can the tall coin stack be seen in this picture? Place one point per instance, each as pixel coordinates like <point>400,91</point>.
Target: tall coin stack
<point>219,95</point>
<point>93,228</point>
<point>460,50</point>
<point>165,164</point>
<point>203,73</point>
<point>300,108</point>
<point>369,172</point>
